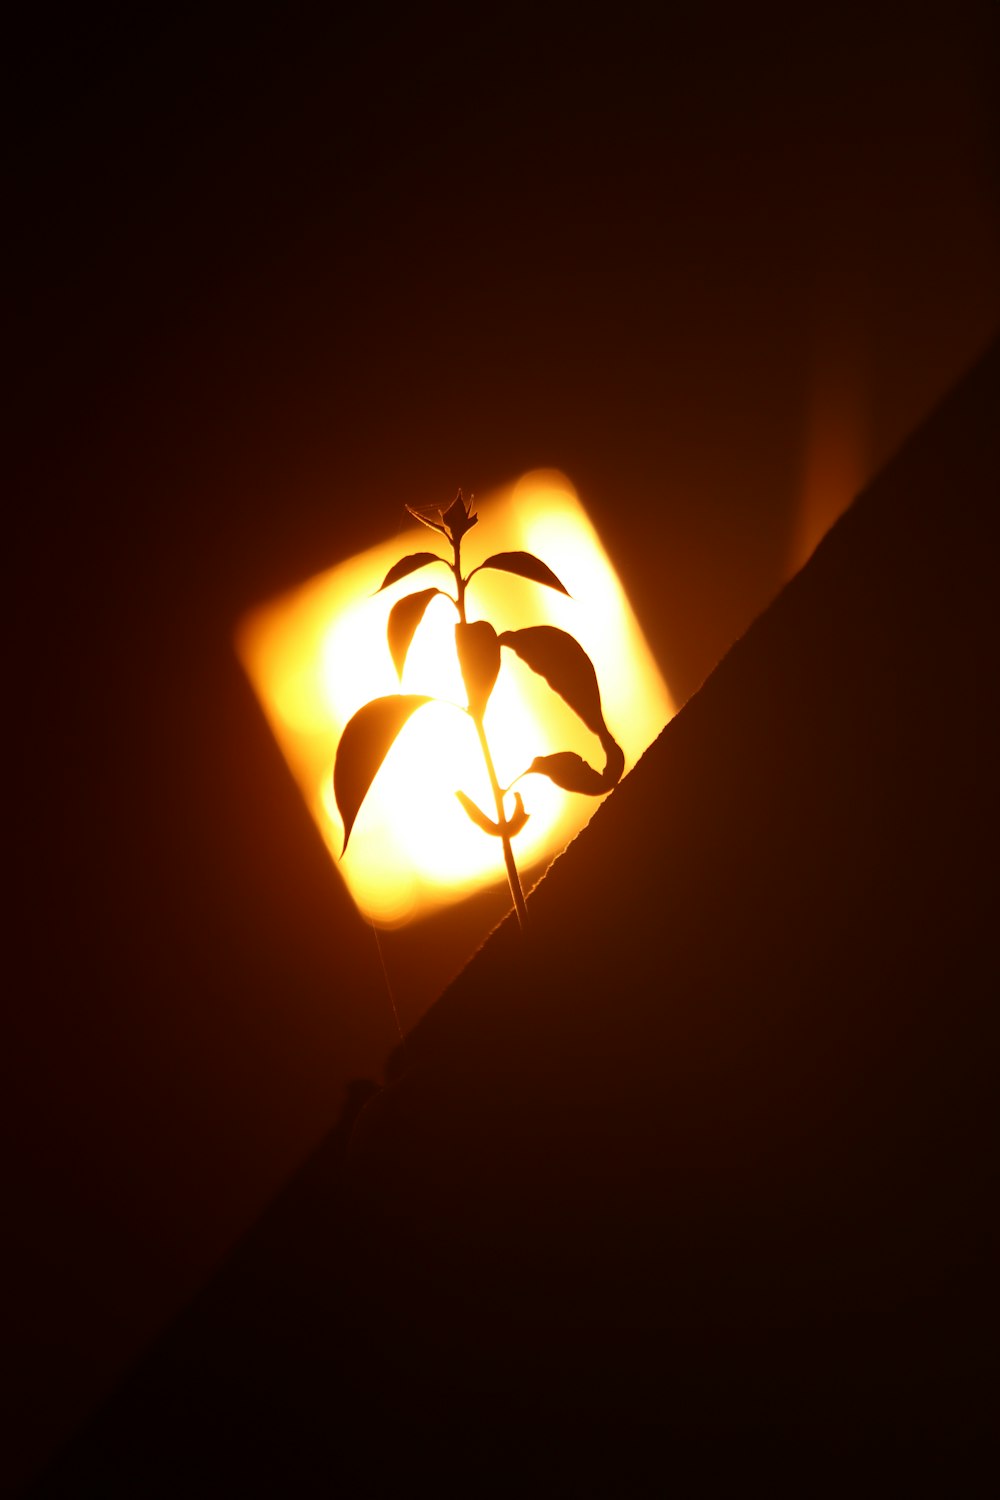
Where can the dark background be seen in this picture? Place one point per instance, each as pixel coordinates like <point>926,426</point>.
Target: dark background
<point>271,282</point>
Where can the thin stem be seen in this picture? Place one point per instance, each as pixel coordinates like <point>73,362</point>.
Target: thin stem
<point>456,568</point>
<point>513,877</point>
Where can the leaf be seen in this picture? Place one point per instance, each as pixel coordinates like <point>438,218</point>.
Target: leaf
<point>404,617</point>
<point>571,772</point>
<point>408,565</point>
<point>525,565</point>
<point>478,816</point>
<point>515,822</point>
<point>366,741</point>
<point>479,657</point>
<point>566,667</point>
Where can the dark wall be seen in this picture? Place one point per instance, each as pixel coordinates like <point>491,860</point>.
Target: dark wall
<point>271,282</point>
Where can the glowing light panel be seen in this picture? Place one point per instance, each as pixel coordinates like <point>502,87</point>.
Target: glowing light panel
<point>317,654</point>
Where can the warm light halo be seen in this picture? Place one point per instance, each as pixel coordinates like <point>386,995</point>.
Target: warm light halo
<point>318,653</point>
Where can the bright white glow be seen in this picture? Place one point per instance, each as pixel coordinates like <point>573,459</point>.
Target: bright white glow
<point>317,654</point>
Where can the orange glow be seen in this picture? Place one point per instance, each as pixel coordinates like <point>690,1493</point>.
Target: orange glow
<point>836,461</point>
<point>318,653</point>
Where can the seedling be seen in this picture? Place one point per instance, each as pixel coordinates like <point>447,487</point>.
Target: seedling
<point>552,653</point>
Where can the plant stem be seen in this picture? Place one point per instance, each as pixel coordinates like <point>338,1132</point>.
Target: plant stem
<point>513,877</point>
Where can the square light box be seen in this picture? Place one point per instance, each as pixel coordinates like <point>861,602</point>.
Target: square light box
<point>316,654</point>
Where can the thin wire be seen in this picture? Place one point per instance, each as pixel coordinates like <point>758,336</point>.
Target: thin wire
<point>385,976</point>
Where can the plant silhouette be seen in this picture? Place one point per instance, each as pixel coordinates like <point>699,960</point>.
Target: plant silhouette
<point>552,653</point>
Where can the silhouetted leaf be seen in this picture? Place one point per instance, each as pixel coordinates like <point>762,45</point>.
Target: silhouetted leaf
<point>525,565</point>
<point>404,617</point>
<point>478,816</point>
<point>479,657</point>
<point>364,745</point>
<point>408,565</point>
<point>571,772</point>
<point>515,822</point>
<point>566,667</point>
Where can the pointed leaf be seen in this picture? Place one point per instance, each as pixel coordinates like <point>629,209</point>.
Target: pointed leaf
<point>404,617</point>
<point>515,822</point>
<point>478,816</point>
<point>525,565</point>
<point>366,741</point>
<point>408,565</point>
<point>479,657</point>
<point>571,772</point>
<point>566,667</point>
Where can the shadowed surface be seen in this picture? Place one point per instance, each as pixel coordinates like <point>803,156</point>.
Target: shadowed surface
<point>704,1171</point>
<point>270,281</point>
